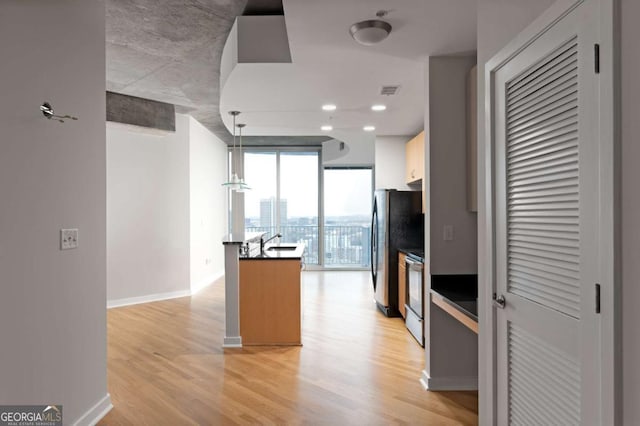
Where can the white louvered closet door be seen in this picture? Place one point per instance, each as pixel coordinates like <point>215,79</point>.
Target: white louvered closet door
<point>546,118</point>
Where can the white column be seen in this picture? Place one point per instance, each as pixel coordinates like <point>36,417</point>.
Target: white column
<point>232,338</point>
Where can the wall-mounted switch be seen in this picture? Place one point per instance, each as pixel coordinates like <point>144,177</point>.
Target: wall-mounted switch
<point>448,233</point>
<point>68,239</point>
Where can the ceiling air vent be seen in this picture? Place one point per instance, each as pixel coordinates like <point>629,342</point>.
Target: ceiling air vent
<point>389,90</point>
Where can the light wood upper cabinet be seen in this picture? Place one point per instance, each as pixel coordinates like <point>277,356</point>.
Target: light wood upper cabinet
<point>414,155</point>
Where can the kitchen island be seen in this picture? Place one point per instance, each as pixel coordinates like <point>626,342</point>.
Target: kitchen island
<point>270,305</point>
<point>262,291</point>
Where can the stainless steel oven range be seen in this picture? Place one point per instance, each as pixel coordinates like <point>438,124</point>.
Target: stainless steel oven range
<point>415,297</point>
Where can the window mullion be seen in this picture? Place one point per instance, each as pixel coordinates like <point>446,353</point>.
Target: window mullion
<point>278,224</point>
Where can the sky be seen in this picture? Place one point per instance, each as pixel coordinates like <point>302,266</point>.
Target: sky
<point>348,192</point>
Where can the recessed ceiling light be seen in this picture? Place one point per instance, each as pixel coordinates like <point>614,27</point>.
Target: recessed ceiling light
<point>368,128</point>
<point>378,107</point>
<point>328,107</point>
<point>326,128</point>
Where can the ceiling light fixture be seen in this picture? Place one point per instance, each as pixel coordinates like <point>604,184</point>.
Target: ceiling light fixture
<point>329,107</point>
<point>368,128</point>
<point>243,186</point>
<point>236,183</point>
<point>372,31</point>
<point>378,107</point>
<point>326,128</point>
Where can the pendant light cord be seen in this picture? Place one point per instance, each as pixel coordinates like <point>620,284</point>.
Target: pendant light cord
<point>241,158</point>
<point>235,155</point>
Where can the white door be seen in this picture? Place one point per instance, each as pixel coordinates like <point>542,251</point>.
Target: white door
<point>546,205</point>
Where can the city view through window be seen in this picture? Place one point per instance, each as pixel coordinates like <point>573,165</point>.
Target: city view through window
<point>285,200</point>
<point>347,218</point>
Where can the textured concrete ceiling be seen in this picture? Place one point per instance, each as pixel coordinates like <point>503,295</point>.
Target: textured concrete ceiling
<point>170,51</point>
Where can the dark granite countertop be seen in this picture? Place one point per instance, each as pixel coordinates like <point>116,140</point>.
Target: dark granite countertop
<point>280,251</point>
<point>247,237</point>
<point>459,291</point>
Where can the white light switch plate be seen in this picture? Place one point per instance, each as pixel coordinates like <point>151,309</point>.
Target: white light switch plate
<point>68,239</point>
<point>448,233</point>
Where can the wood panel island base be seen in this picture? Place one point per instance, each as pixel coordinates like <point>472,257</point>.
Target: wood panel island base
<point>270,306</point>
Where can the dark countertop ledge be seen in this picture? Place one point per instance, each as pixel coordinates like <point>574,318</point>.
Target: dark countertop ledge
<point>461,292</point>
<point>247,237</point>
<point>274,254</point>
<point>467,307</point>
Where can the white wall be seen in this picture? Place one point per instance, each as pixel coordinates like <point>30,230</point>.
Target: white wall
<point>630,61</point>
<point>147,212</point>
<point>52,175</point>
<point>361,149</point>
<point>166,211</point>
<point>208,199</point>
<point>450,348</point>
<point>390,163</point>
<point>447,145</point>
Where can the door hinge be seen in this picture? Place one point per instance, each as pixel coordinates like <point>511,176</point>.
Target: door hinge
<point>596,57</point>
<point>597,298</point>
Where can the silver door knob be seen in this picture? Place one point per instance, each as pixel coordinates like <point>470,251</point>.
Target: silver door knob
<point>499,302</point>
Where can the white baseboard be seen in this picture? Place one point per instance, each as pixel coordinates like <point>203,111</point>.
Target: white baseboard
<point>206,282</point>
<point>232,342</point>
<point>116,303</point>
<point>95,413</point>
<point>448,383</point>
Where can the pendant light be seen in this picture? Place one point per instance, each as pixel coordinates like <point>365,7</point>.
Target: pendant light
<point>243,185</point>
<point>235,183</point>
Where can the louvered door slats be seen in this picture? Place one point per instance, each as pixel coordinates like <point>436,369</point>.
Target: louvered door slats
<point>536,163</point>
<point>552,76</point>
<point>526,199</point>
<point>545,99</point>
<point>563,52</point>
<point>535,269</point>
<point>543,262</point>
<point>541,376</point>
<point>554,386</point>
<point>558,119</point>
<point>545,186</point>
<point>561,134</point>
<point>541,112</point>
<point>556,229</point>
<point>559,179</point>
<point>563,293</point>
<point>542,172</point>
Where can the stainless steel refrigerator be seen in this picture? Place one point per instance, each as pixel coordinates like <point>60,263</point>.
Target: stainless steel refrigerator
<point>397,222</point>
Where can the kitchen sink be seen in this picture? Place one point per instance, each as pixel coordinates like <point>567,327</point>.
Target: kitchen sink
<point>281,248</point>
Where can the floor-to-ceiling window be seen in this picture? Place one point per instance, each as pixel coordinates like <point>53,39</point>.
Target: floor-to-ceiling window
<point>299,212</point>
<point>347,217</point>
<point>284,196</point>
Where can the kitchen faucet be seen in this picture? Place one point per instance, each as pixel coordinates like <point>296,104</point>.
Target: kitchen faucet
<point>263,242</point>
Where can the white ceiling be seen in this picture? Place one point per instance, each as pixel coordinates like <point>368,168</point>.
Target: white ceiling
<point>330,67</point>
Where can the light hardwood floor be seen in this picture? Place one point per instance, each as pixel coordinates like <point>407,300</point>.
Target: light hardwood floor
<point>166,365</point>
